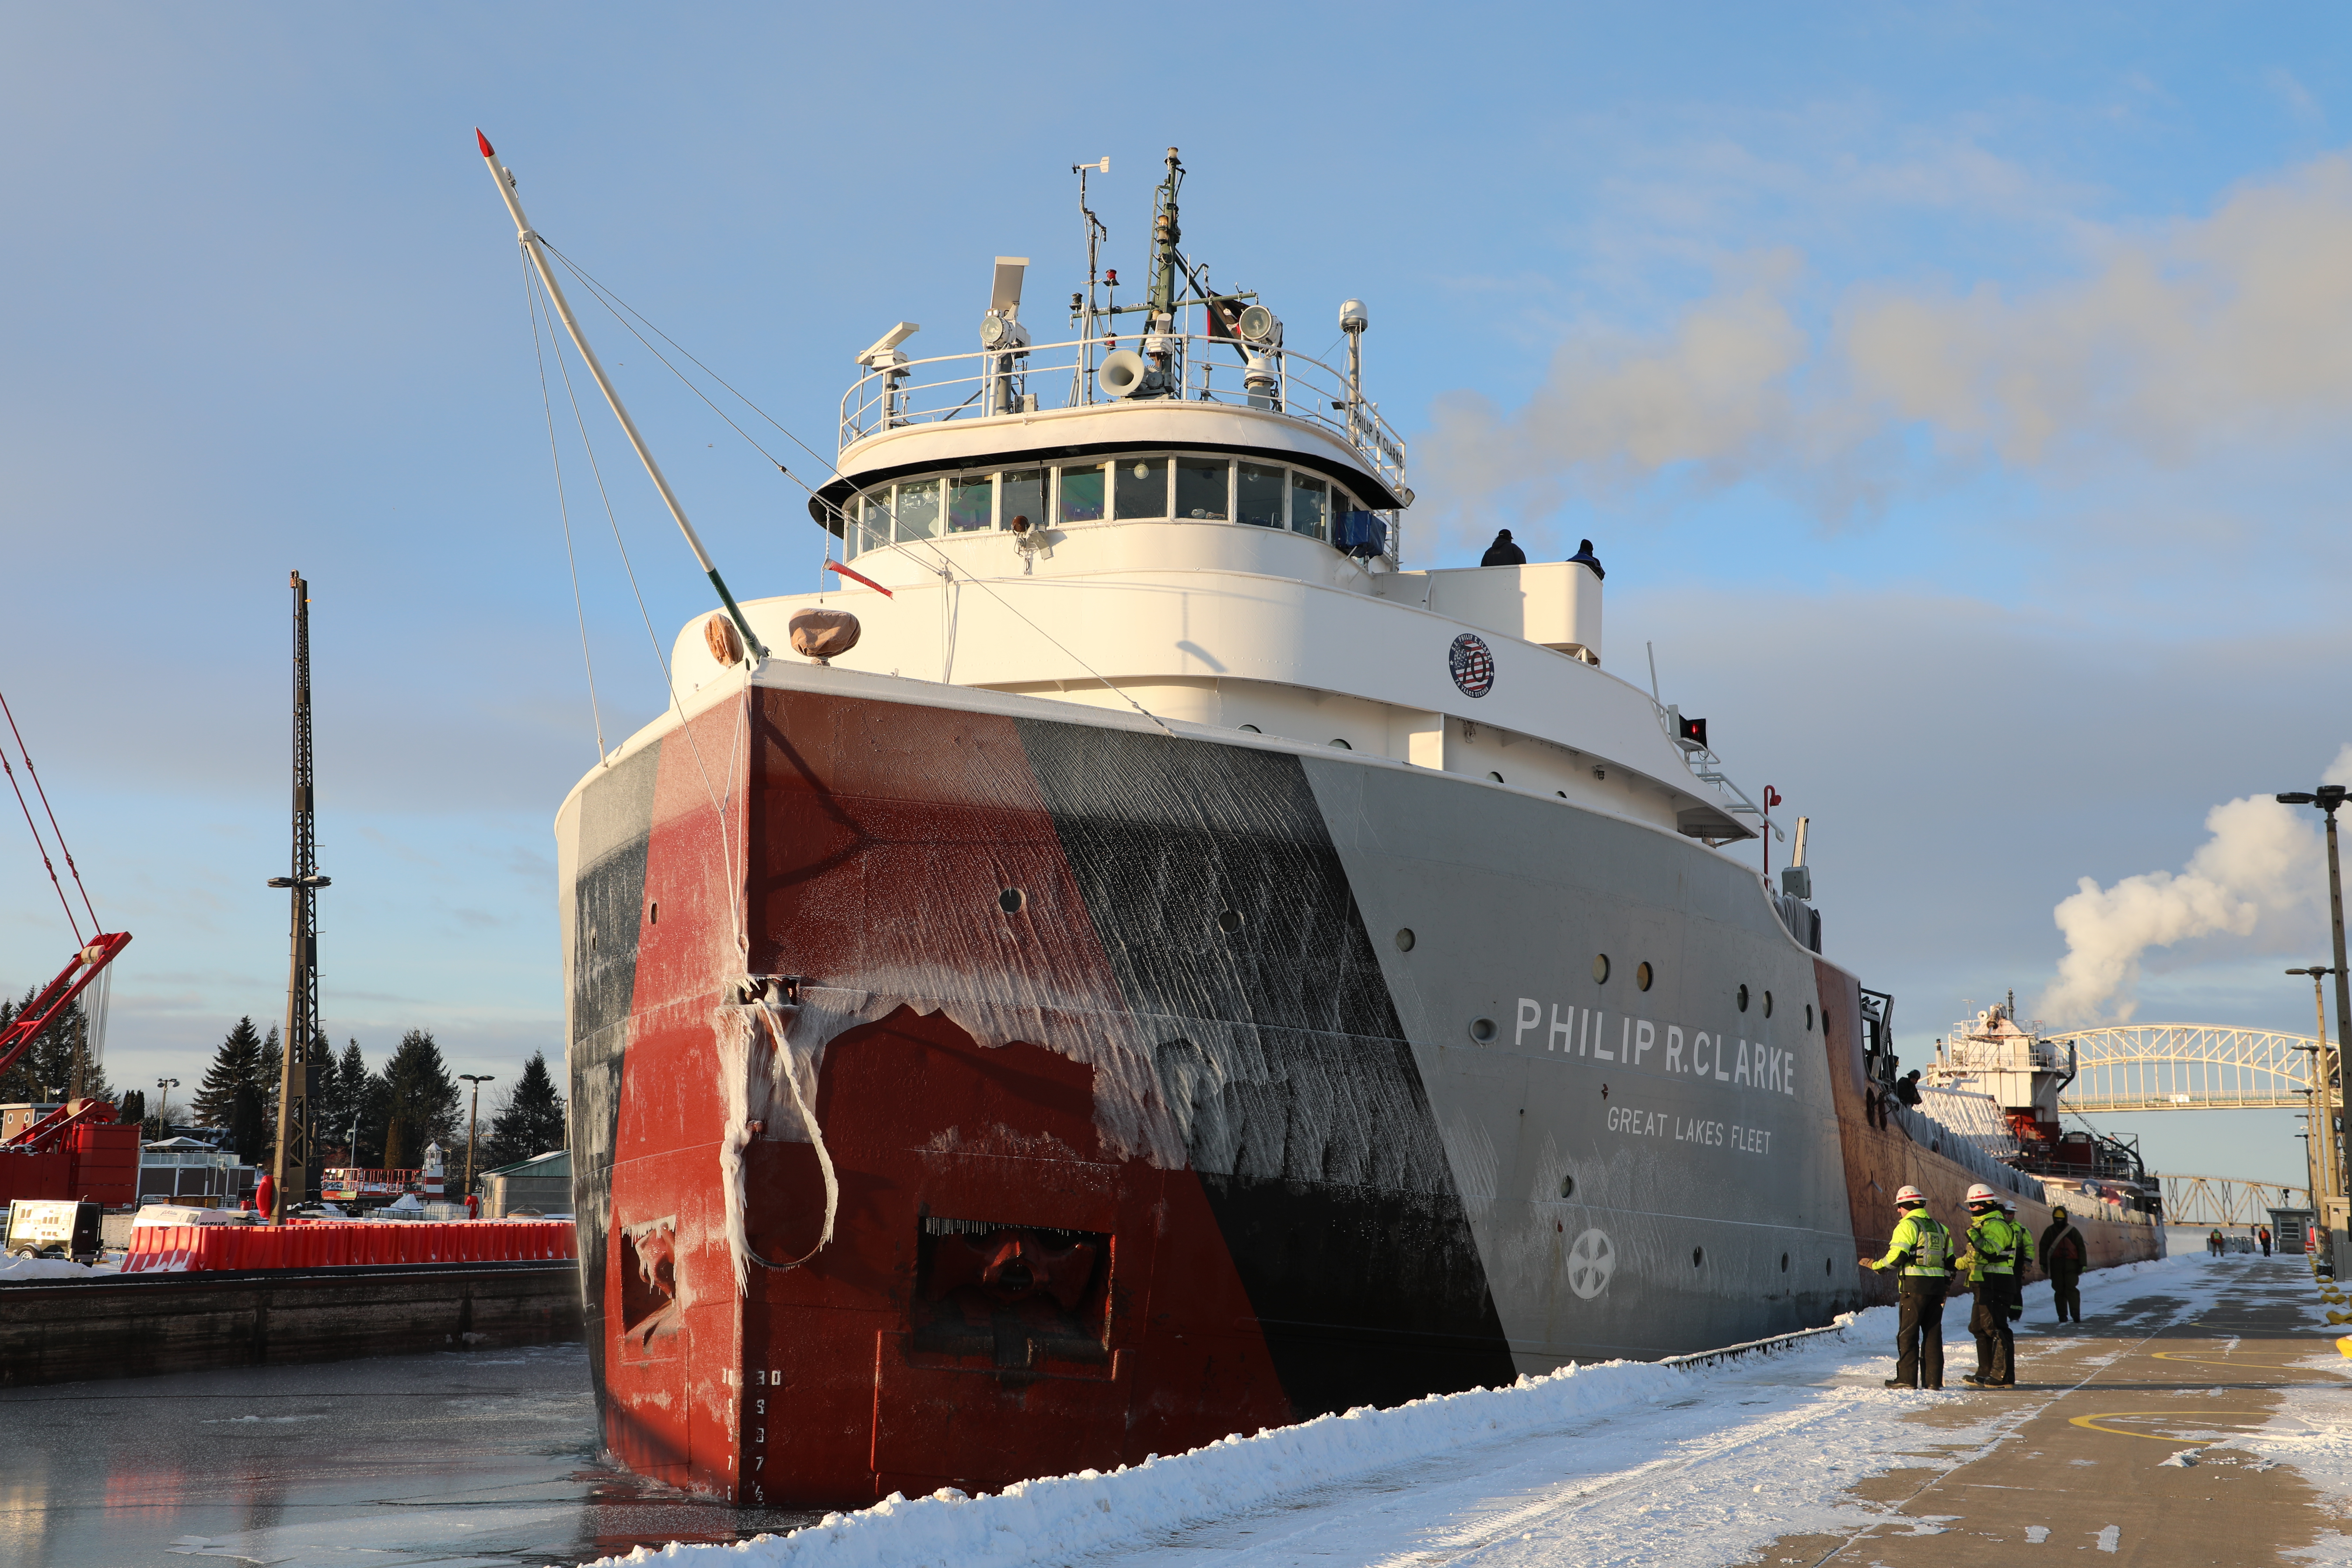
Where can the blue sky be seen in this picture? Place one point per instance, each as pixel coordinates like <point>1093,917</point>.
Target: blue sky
<point>1951,392</point>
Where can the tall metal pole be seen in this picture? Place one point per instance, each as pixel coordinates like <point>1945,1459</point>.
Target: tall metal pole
<point>2328,1089</point>
<point>534,248</point>
<point>296,1173</point>
<point>2320,1155</point>
<point>2324,1065</point>
<point>472,1117</point>
<point>2330,799</point>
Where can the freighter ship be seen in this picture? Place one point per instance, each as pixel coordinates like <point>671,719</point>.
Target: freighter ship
<point>1151,965</point>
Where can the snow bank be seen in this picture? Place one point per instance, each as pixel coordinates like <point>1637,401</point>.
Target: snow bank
<point>1064,1516</point>
<point>16,1270</point>
<point>1067,1515</point>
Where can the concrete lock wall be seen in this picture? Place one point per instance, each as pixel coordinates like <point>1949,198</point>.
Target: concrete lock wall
<point>66,1331</point>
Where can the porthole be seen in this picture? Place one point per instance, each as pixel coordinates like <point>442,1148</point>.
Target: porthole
<point>652,912</point>
<point>1482,1030</point>
<point>1343,745</point>
<point>1404,939</point>
<point>1743,998</point>
<point>1495,777</point>
<point>1809,1017</point>
<point>1698,1255</point>
<point>1567,1186</point>
<point>1767,1004</point>
<point>1642,975</point>
<point>1784,1263</point>
<point>1230,921</point>
<point>1252,729</point>
<point>1011,899</point>
<point>1600,969</point>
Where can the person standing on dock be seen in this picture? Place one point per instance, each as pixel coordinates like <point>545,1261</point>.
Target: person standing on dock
<point>2262,1235</point>
<point>1990,1262</point>
<point>2061,1254</point>
<point>1921,1247</point>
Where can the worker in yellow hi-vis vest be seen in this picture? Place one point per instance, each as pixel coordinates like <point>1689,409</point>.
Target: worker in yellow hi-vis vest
<point>1996,1244</point>
<point>1921,1248</point>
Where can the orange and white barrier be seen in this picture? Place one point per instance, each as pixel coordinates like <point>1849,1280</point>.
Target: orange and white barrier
<point>329,1243</point>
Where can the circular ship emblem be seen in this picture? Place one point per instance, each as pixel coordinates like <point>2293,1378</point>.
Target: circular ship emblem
<point>1473,664</point>
<point>1590,1263</point>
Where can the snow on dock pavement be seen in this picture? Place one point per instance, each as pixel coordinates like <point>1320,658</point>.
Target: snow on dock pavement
<point>1617,1463</point>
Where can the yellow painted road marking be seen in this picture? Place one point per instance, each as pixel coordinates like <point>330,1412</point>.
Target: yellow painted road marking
<point>2179,1418</point>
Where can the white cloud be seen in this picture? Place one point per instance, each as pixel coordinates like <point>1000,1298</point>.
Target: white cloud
<point>2228,332</point>
<point>2258,875</point>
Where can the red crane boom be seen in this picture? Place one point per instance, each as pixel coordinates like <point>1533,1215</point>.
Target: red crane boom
<point>17,1035</point>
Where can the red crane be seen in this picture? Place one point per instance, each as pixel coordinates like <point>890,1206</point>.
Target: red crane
<point>66,1149</point>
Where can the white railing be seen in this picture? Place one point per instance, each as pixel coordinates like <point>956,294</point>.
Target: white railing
<point>1063,376</point>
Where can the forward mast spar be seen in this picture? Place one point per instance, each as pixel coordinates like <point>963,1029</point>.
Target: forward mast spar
<point>535,249</point>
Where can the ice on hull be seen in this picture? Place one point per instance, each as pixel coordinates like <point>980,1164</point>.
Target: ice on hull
<point>1146,1123</point>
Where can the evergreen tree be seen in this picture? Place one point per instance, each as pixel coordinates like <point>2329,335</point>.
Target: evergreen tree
<point>420,1101</point>
<point>529,1119</point>
<point>47,1071</point>
<point>239,1096</point>
<point>342,1091</point>
<point>133,1106</point>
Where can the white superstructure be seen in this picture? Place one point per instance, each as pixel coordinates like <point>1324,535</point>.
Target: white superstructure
<point>1228,557</point>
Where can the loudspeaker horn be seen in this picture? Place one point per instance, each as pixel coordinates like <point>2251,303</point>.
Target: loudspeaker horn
<point>1121,373</point>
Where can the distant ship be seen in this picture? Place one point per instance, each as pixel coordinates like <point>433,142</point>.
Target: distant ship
<point>2000,1077</point>
<point>1165,968</point>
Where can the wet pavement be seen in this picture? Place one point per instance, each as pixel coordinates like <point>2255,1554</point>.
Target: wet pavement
<point>480,1457</point>
<point>2175,1427</point>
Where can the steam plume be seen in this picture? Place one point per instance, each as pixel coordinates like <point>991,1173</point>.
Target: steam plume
<point>2259,875</point>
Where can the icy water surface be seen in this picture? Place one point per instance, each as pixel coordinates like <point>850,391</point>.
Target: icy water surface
<point>481,1458</point>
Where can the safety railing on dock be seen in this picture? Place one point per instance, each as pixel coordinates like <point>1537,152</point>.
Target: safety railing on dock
<point>196,1248</point>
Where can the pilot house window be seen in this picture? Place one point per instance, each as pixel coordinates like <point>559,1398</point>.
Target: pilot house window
<point>1141,487</point>
<point>919,509</point>
<point>1200,488</point>
<point>1024,496</point>
<point>1307,506</point>
<point>972,503</point>
<point>1082,494</point>
<point>1257,490</point>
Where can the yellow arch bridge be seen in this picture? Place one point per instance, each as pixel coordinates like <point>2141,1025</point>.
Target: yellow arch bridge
<point>2186,1066</point>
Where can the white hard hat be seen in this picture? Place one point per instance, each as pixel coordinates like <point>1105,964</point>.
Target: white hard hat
<point>1907,1195</point>
<point>1981,1194</point>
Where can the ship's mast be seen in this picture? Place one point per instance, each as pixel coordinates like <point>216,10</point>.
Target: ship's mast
<point>536,250</point>
<point>300,1162</point>
<point>1164,235</point>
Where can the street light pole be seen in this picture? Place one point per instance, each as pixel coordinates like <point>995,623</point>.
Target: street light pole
<point>2319,1150</point>
<point>163,1106</point>
<point>2330,799</point>
<point>477,1079</point>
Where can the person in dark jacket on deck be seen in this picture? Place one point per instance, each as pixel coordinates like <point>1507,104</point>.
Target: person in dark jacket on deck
<point>1907,1087</point>
<point>2062,1255</point>
<point>1584,555</point>
<point>1503,552</point>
